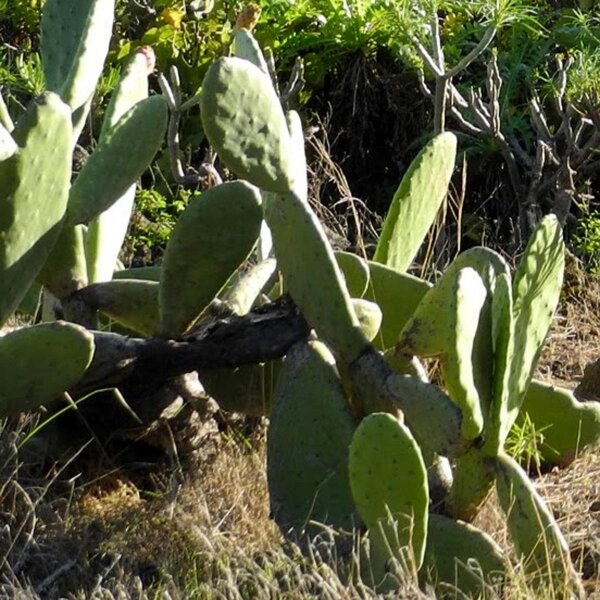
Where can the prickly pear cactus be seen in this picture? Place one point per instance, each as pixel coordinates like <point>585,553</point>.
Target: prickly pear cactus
<point>74,42</point>
<point>243,120</point>
<point>534,531</point>
<point>105,176</point>
<point>461,557</point>
<point>536,291</point>
<point>388,479</point>
<point>35,185</point>
<point>310,432</point>
<point>416,203</point>
<point>131,302</point>
<point>568,425</point>
<point>107,231</point>
<point>39,362</point>
<point>205,250</point>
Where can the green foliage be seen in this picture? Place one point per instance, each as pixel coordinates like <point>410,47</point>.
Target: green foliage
<point>587,240</point>
<point>154,218</point>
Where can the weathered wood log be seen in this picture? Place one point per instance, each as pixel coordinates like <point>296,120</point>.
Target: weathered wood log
<point>140,365</point>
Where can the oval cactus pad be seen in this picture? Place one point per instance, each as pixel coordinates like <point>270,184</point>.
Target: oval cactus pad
<point>243,120</point>
<point>309,436</point>
<point>388,479</point>
<point>40,362</point>
<point>212,238</point>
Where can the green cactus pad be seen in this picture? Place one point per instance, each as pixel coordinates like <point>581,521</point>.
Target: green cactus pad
<point>119,159</point>
<point>311,274</point>
<point>245,46</point>
<point>388,478</point>
<point>425,334</point>
<point>433,418</point>
<point>310,432</point>
<point>355,271</point>
<point>474,475</point>
<point>131,88</point>
<point>369,316</point>
<point>498,421</point>
<point>131,302</point>
<point>248,390</point>
<point>212,238</point>
<point>65,271</point>
<point>75,36</point>
<point>35,184</point>
<point>107,231</point>
<point>458,555</point>
<point>567,425</point>
<point>243,120</point>
<point>416,203</point>
<point>536,536</point>
<point>39,362</point>
<point>243,293</point>
<point>464,308</point>
<point>536,291</point>
<point>398,295</point>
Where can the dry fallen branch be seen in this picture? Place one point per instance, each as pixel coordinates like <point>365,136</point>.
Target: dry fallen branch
<point>264,334</point>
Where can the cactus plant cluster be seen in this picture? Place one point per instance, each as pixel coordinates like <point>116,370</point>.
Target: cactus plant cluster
<point>485,326</point>
<point>357,432</point>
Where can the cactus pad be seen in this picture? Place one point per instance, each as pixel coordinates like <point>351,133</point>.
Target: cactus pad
<point>309,436</point>
<point>537,538</point>
<point>212,238</point>
<point>40,362</point>
<point>107,175</point>
<point>416,203</point>
<point>35,184</point>
<point>388,479</point>
<point>311,274</point>
<point>458,555</point>
<point>398,295</point>
<point>74,42</point>
<point>568,426</point>
<point>131,302</point>
<point>243,120</point>
<point>536,291</point>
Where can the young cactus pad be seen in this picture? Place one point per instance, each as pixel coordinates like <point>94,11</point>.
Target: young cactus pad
<point>75,36</point>
<point>309,435</point>
<point>35,185</point>
<point>388,479</point>
<point>243,120</point>
<point>416,203</point>
<point>40,362</point>
<point>212,238</point>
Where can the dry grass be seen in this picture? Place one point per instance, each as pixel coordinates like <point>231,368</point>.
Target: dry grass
<point>180,533</point>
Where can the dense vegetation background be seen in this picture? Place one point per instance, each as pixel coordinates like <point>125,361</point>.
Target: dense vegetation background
<point>517,80</point>
<point>528,131</point>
